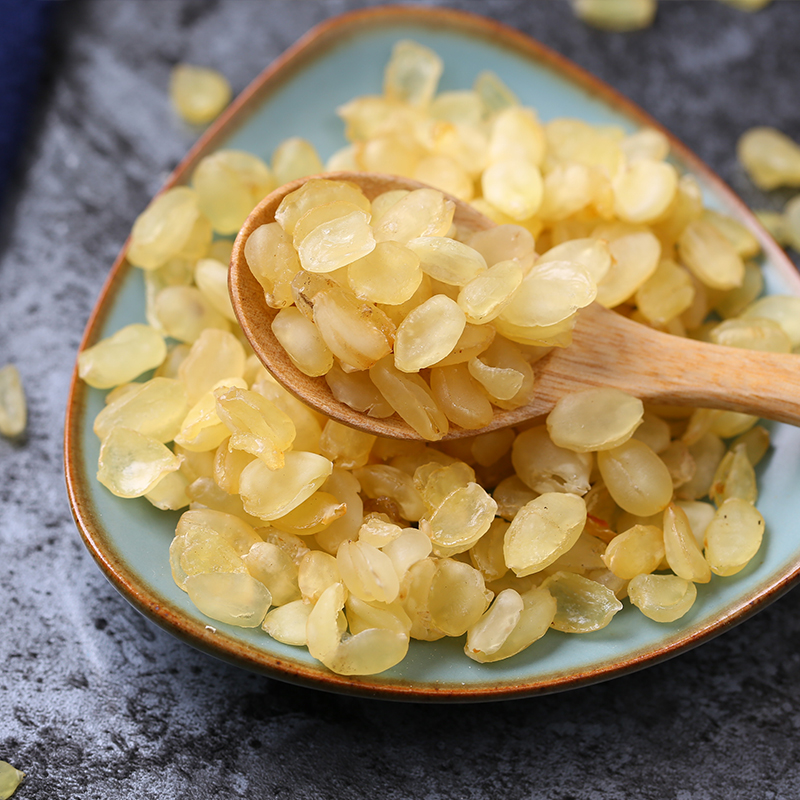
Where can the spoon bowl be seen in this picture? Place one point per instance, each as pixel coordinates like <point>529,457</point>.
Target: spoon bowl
<point>607,350</point>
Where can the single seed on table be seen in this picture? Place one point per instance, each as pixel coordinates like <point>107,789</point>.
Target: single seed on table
<point>770,157</point>
<point>13,408</point>
<point>10,779</point>
<point>198,93</point>
<point>616,15</point>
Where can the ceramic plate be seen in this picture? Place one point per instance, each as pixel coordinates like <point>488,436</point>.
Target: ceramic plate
<point>298,96</point>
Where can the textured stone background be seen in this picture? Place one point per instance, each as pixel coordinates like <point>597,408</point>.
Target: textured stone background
<point>97,703</point>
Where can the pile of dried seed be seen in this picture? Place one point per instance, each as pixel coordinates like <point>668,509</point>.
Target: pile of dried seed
<point>352,545</point>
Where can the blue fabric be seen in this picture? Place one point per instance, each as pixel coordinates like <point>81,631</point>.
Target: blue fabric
<point>23,37</point>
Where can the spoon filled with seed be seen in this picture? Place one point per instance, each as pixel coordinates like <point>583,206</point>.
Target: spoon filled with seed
<point>401,311</point>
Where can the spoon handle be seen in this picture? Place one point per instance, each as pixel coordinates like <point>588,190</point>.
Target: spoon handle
<point>610,350</point>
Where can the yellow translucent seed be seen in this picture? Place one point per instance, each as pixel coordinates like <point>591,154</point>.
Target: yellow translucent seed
<point>735,301</point>
<point>287,623</point>
<point>273,567</point>
<point>316,572</point>
<point>346,447</point>
<point>269,494</point>
<point>654,432</point>
<point>447,260</point>
<point>636,477</point>
<point>13,408</point>
<point>336,243</point>
<point>234,598</point>
<point>382,480</point>
<point>256,424</point>
<point>735,477</point>
<point>710,256</point>
<point>183,313</point>
<point>312,516</point>
<point>511,494</point>
<point>487,294</point>
<point>363,615</point>
<point>130,464</point>
<point>302,342</point>
<point>543,530</point>
<point>592,254</point>
<point>683,554</point>
<point>646,143</point>
<point>538,612</point>
<point>356,390</point>
<point>229,183</point>
<point>638,550</point>
<point>515,187</point>
<point>316,192</point>
<point>412,74</point>
<point>198,94</point>
<point>459,396</point>
<point>546,467</point>
<point>169,494</point>
<point>733,536</point>
<point>594,419</point>
<point>662,598</point>
<point>666,294</point>
<point>367,572</point>
<point>644,190</point>
<point>461,519</point>
<point>428,334</point>
<point>583,605</point>
<point>411,398</point>
<point>753,333</point>
<point>10,779</point>
<point>635,257</point>
<point>517,134</point>
<point>782,309</point>
<point>358,333</point>
<point>389,274</point>
<point>215,355</point>
<point>202,428</point>
<point>446,174</point>
<point>211,277</point>
<point>378,530</point>
<point>490,632</point>
<point>122,357</point>
<point>770,157</point>
<point>474,340</point>
<point>458,597</point>
<point>295,158</point>
<point>423,212</point>
<point>155,408</point>
<point>616,15</point>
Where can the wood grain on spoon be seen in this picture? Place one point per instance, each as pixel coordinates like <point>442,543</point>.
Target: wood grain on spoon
<point>607,350</point>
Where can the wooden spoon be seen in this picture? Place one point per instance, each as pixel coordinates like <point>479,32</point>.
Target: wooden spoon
<point>607,350</point>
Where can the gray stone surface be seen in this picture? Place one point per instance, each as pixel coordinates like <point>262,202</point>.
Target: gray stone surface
<point>97,703</point>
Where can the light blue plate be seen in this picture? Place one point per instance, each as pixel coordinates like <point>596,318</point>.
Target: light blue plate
<point>298,97</point>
